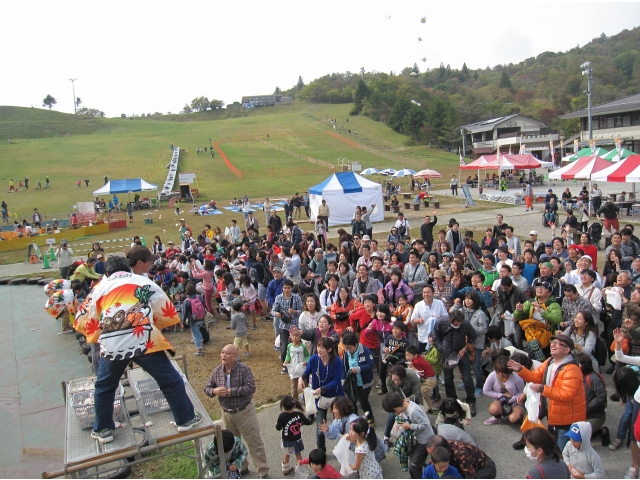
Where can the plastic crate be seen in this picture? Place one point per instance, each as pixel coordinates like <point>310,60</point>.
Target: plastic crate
<point>82,385</point>
<point>86,414</point>
<point>152,397</point>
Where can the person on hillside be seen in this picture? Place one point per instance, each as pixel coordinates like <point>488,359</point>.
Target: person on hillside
<point>453,184</point>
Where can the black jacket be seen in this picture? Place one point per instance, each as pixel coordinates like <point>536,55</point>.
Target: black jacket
<point>426,231</point>
<point>448,339</point>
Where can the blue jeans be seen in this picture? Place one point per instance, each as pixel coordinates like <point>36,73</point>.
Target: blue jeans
<point>391,419</point>
<point>321,415</point>
<point>625,421</point>
<point>562,437</point>
<point>465,370</point>
<point>276,325</point>
<point>477,368</point>
<point>157,365</point>
<point>195,332</point>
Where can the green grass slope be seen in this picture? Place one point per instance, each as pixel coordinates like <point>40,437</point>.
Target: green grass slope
<point>19,122</point>
<point>123,148</point>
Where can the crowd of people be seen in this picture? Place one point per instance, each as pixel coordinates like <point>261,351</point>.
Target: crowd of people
<point>398,316</point>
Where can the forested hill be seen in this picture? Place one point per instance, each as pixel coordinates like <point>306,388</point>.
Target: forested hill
<point>543,87</point>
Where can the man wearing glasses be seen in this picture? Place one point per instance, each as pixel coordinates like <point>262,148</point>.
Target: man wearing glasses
<point>234,385</point>
<point>559,381</point>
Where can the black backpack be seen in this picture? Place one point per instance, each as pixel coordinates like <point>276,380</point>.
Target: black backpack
<point>600,352</point>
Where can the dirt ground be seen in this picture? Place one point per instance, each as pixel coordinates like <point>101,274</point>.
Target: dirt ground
<point>264,361</point>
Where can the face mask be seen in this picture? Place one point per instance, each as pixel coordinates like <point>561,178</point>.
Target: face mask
<point>455,326</point>
<point>529,455</point>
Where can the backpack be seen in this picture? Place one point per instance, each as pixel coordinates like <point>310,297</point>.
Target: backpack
<point>74,267</point>
<point>600,351</point>
<point>402,230</point>
<point>197,309</point>
<point>204,331</point>
<point>253,276</point>
<point>267,275</point>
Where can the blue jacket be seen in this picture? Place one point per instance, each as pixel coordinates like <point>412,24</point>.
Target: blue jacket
<point>328,379</point>
<point>274,288</point>
<point>450,472</point>
<point>365,365</point>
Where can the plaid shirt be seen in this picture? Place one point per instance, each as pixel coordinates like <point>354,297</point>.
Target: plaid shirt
<point>570,309</point>
<point>443,294</point>
<point>282,305</point>
<point>241,382</point>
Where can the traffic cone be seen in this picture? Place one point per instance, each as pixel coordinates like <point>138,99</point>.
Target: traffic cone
<point>52,255</point>
<point>143,241</point>
<point>46,262</point>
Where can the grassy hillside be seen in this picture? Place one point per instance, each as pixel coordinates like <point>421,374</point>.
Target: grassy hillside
<point>123,148</point>
<point>18,122</point>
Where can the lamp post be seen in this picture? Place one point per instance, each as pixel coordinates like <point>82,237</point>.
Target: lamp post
<point>73,86</point>
<point>463,150</point>
<point>587,70</point>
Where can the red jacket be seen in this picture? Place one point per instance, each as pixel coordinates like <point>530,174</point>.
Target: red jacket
<point>327,471</point>
<point>368,338</point>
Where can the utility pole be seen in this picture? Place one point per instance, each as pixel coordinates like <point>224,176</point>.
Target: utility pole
<point>463,150</point>
<point>588,72</point>
<point>73,86</point>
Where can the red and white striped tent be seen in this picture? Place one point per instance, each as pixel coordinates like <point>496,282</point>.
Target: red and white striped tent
<point>504,162</point>
<point>627,170</point>
<point>581,169</point>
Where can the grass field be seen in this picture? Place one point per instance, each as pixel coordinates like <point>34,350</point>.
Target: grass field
<point>69,147</point>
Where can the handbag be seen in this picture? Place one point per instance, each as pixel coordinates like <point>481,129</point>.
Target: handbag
<point>434,357</point>
<point>471,351</point>
<point>325,402</point>
<point>536,330</point>
<point>350,387</point>
<point>342,316</point>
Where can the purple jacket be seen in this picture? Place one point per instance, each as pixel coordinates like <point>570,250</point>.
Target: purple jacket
<point>493,387</point>
<point>392,297</point>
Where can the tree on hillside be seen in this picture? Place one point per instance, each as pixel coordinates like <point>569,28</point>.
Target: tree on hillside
<point>49,101</point>
<point>78,102</point>
<point>358,96</point>
<point>465,71</point>
<point>215,104</point>
<point>505,81</point>
<point>186,108</point>
<point>92,112</point>
<point>415,69</point>
<point>396,117</point>
<point>626,62</point>
<point>414,121</point>
<point>277,91</point>
<point>200,104</point>
<point>300,84</point>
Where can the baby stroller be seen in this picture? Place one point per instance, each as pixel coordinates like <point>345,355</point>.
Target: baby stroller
<point>595,231</point>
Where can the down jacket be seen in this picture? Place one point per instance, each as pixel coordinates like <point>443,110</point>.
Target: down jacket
<point>391,294</point>
<point>566,400</point>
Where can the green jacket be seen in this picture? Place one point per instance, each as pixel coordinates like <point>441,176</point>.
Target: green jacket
<point>237,456</point>
<point>553,314</point>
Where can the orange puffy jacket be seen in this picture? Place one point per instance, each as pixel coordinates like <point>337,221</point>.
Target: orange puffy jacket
<point>567,402</point>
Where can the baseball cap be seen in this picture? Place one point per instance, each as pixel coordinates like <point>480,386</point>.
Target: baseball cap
<point>533,232</point>
<point>564,339</point>
<point>277,269</point>
<point>550,190</point>
<point>99,255</point>
<point>182,219</point>
<point>546,264</point>
<point>540,283</point>
<point>548,244</point>
<point>141,253</point>
<point>366,237</point>
<point>64,242</point>
<point>575,247</point>
<point>587,257</point>
<point>574,433</point>
<point>394,228</point>
<point>170,242</point>
<point>447,254</point>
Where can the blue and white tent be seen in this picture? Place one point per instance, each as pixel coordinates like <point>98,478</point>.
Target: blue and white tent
<point>343,192</point>
<point>125,186</point>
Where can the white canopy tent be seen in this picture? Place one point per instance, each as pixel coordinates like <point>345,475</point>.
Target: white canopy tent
<point>343,192</point>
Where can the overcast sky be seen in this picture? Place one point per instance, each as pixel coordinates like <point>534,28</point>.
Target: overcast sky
<point>141,57</point>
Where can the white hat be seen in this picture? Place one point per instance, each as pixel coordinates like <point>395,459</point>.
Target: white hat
<point>533,232</point>
<point>587,257</point>
<point>365,238</point>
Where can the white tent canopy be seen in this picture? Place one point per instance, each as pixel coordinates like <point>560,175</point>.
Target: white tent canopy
<point>343,192</point>
<point>125,186</point>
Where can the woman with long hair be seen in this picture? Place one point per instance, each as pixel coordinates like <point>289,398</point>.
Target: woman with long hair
<point>324,329</point>
<point>311,312</point>
<point>614,263</point>
<point>344,306</point>
<point>325,370</point>
<point>541,447</point>
<point>346,275</point>
<point>584,334</point>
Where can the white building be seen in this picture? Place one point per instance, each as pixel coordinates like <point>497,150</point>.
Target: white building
<point>509,133</point>
<point>618,118</point>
